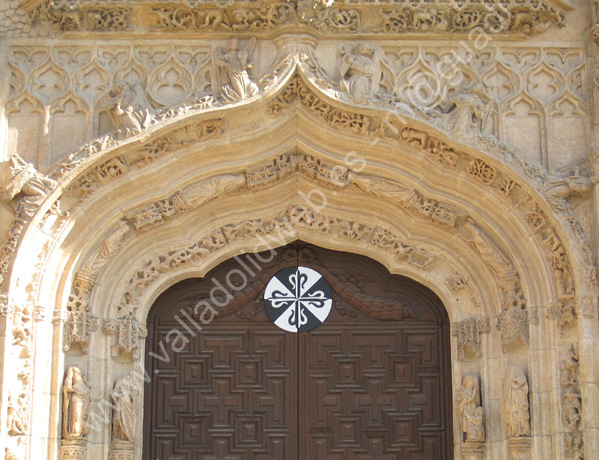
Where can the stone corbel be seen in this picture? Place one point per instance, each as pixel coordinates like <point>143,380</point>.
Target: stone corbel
<point>468,333</point>
<point>128,332</point>
<point>473,451</point>
<point>520,448</point>
<point>73,449</point>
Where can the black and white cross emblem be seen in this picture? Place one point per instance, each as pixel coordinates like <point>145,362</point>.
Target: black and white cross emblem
<point>298,299</point>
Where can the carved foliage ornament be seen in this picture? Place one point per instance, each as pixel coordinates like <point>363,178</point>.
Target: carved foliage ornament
<point>520,16</point>
<point>286,223</point>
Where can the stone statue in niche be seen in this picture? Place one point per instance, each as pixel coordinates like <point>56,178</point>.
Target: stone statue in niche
<point>235,64</point>
<point>516,406</point>
<point>124,419</point>
<point>468,112</point>
<point>21,180</point>
<point>128,109</point>
<point>358,72</point>
<point>75,405</point>
<point>15,420</point>
<point>470,411</point>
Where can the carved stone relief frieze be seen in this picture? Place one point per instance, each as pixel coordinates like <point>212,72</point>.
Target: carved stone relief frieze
<point>571,399</point>
<point>325,16</point>
<point>118,166</point>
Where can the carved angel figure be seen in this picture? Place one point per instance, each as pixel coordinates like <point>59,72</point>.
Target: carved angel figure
<point>357,73</point>
<point>468,112</point>
<point>21,179</point>
<point>517,407</point>
<point>109,248</point>
<point>75,405</point>
<point>128,109</point>
<point>124,420</point>
<point>235,63</point>
<point>491,255</point>
<point>470,411</point>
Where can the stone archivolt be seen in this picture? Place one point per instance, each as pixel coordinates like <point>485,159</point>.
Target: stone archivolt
<point>102,163</point>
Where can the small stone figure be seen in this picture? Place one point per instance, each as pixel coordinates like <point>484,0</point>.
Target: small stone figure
<point>468,112</point>
<point>21,179</point>
<point>236,63</point>
<point>124,419</point>
<point>470,411</point>
<point>517,406</point>
<point>75,405</point>
<point>128,109</point>
<point>357,73</point>
<point>15,419</point>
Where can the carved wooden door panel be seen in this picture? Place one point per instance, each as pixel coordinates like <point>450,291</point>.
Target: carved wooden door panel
<point>229,394</point>
<point>372,382</point>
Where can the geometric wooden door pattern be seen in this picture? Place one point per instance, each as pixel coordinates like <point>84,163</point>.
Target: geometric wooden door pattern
<point>373,382</point>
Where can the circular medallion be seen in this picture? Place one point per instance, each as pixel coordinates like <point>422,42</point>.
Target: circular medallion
<point>298,299</point>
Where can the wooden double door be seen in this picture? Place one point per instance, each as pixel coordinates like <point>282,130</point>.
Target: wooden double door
<point>372,382</point>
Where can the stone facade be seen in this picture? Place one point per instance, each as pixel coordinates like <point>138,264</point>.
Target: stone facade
<point>146,142</point>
